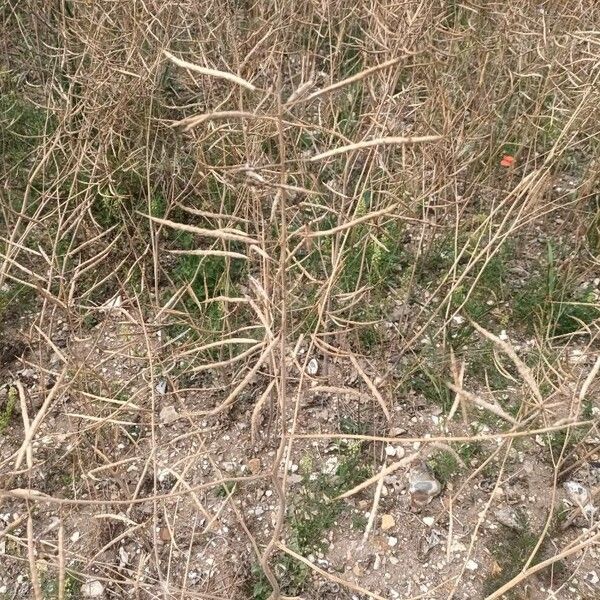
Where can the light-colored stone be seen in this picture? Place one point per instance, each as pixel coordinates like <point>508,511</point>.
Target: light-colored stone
<point>92,589</point>
<point>471,565</point>
<point>387,522</point>
<point>429,521</point>
<point>423,486</point>
<point>312,368</point>
<point>168,415</point>
<point>254,465</point>
<point>390,451</point>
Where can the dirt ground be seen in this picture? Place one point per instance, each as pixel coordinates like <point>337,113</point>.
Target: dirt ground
<point>135,507</point>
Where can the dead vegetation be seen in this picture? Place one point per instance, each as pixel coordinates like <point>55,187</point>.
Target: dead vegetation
<point>259,260</point>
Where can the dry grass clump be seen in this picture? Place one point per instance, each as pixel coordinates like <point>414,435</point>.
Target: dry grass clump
<point>207,195</point>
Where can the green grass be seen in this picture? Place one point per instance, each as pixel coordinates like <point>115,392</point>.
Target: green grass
<point>15,299</point>
<point>6,412</point>
<point>314,511</point>
<point>258,586</point>
<point>511,549</point>
<point>444,464</point>
<point>225,489</point>
<point>553,302</point>
<point>49,586</point>
<point>429,378</point>
<point>22,128</point>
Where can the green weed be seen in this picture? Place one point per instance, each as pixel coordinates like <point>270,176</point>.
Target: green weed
<point>431,384</point>
<point>7,411</point>
<point>511,549</point>
<point>72,589</point>
<point>258,586</point>
<point>225,489</point>
<point>15,299</point>
<point>315,511</point>
<point>444,466</point>
<point>556,304</point>
<point>22,128</point>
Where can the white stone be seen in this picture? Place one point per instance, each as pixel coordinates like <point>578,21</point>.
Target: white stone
<point>92,589</point>
<point>168,415</point>
<point>429,521</point>
<point>471,565</point>
<point>312,368</point>
<point>392,541</point>
<point>592,577</point>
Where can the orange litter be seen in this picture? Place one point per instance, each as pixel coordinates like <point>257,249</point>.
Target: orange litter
<point>507,160</point>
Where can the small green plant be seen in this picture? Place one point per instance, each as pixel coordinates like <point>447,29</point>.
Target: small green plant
<point>258,586</point>
<point>225,489</point>
<point>430,382</point>
<point>72,589</point>
<point>15,299</point>
<point>352,426</point>
<point>359,522</point>
<point>7,411</point>
<point>444,466</point>
<point>316,510</point>
<point>511,549</point>
<point>483,368</point>
<point>22,127</point>
<point>556,304</point>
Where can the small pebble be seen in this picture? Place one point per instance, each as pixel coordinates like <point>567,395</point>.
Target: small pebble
<point>312,368</point>
<point>471,565</point>
<point>92,589</point>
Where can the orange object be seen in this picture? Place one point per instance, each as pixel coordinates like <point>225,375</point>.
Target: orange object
<point>507,160</point>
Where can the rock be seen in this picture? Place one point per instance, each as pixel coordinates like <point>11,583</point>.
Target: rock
<point>397,313</point>
<point>429,521</point>
<point>168,415</point>
<point>392,541</point>
<point>592,577</point>
<point>390,451</point>
<point>580,495</point>
<point>161,387</point>
<point>422,486</point>
<point>387,522</point>
<point>312,368</point>
<point>429,541</point>
<point>577,493</point>
<point>254,465</point>
<point>92,589</point>
<point>123,557</point>
<point>509,518</point>
<point>331,466</point>
<point>397,431</point>
<point>111,304</point>
<point>471,565</point>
